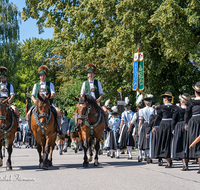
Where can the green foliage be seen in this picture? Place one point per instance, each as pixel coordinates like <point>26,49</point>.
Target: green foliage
<point>21,106</point>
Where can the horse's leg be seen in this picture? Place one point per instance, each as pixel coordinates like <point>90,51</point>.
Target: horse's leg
<point>39,149</point>
<point>85,148</point>
<point>96,163</point>
<point>50,156</point>
<point>1,156</point>
<point>8,163</point>
<point>90,150</point>
<point>47,150</point>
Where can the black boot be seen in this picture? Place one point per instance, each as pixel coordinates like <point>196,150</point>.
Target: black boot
<point>29,133</point>
<point>59,132</point>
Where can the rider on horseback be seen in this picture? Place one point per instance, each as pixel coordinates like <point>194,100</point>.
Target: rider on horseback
<point>7,90</point>
<point>45,88</point>
<point>94,88</point>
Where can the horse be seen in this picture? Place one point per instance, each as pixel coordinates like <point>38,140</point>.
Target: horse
<point>8,128</point>
<point>43,126</point>
<point>91,124</point>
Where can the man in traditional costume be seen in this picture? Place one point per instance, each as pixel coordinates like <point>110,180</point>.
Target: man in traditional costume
<point>45,88</point>
<point>7,91</point>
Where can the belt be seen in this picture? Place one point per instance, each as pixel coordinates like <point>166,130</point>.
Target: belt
<point>195,115</point>
<point>167,119</point>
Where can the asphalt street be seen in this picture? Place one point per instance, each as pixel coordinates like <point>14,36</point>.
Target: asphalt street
<point>67,173</point>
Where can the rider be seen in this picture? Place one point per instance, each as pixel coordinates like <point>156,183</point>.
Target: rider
<point>6,90</point>
<point>44,88</point>
<point>94,88</point>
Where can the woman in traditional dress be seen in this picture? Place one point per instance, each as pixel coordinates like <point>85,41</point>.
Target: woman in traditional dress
<point>180,132</point>
<point>113,137</point>
<point>144,115</point>
<point>168,113</point>
<point>126,138</point>
<point>192,125</point>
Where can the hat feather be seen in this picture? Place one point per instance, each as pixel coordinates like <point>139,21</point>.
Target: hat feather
<point>149,95</point>
<point>126,100</point>
<point>107,102</point>
<point>43,68</point>
<point>139,99</point>
<point>114,108</point>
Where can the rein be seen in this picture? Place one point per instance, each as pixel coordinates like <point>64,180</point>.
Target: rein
<point>44,114</point>
<point>91,126</point>
<point>6,131</point>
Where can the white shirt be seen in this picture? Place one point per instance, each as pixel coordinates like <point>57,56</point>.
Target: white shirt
<point>92,86</point>
<point>4,86</point>
<point>145,113</point>
<point>134,118</point>
<point>43,86</point>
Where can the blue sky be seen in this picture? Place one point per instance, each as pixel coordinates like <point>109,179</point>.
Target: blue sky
<point>29,28</point>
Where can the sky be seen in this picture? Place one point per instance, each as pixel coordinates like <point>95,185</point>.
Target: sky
<point>29,28</point>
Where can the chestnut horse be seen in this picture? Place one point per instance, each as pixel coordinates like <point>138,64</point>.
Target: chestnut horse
<point>91,124</point>
<point>8,127</point>
<point>43,125</point>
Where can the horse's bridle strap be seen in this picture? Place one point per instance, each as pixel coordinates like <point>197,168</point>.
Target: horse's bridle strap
<point>2,117</point>
<point>44,114</point>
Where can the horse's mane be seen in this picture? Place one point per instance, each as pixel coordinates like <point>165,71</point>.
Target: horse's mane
<point>91,101</point>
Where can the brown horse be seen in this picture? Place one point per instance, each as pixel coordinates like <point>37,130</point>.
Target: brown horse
<point>43,125</point>
<point>8,127</point>
<point>91,124</point>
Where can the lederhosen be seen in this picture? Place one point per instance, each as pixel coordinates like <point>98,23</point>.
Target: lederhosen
<point>8,89</point>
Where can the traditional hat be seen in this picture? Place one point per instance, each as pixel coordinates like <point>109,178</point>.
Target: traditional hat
<point>156,105</point>
<point>148,97</point>
<point>169,94</point>
<point>43,70</point>
<point>192,97</point>
<point>107,104</point>
<point>91,68</point>
<point>127,102</point>
<point>196,87</point>
<point>114,110</point>
<point>184,96</point>
<point>3,71</point>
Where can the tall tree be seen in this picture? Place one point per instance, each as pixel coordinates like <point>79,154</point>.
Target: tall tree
<point>107,32</point>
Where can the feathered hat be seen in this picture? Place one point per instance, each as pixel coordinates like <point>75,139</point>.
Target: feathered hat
<point>107,104</point>
<point>43,70</point>
<point>168,94</point>
<point>148,97</point>
<point>114,110</point>
<point>196,87</point>
<point>139,99</point>
<point>3,71</point>
<point>127,102</point>
<point>184,96</point>
<point>91,68</point>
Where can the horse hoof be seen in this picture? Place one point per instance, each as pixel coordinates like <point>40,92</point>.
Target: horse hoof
<point>96,163</point>
<point>1,162</point>
<point>90,159</point>
<point>85,165</point>
<point>50,163</point>
<point>45,167</point>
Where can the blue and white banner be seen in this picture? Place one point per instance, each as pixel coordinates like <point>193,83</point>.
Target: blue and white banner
<point>135,71</point>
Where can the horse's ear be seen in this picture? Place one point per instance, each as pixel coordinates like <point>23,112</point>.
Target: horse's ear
<point>39,97</point>
<point>5,101</point>
<point>48,96</point>
<point>77,99</point>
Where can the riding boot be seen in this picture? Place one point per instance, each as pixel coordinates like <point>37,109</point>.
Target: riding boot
<point>59,132</point>
<point>29,133</point>
<point>18,128</point>
<point>106,121</point>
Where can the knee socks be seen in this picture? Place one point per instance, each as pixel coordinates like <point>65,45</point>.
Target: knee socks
<point>129,148</point>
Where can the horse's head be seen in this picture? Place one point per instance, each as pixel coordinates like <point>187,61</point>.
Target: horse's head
<point>43,107</point>
<point>82,107</point>
<point>3,111</point>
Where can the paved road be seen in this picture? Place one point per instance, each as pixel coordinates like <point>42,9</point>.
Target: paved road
<point>67,173</point>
